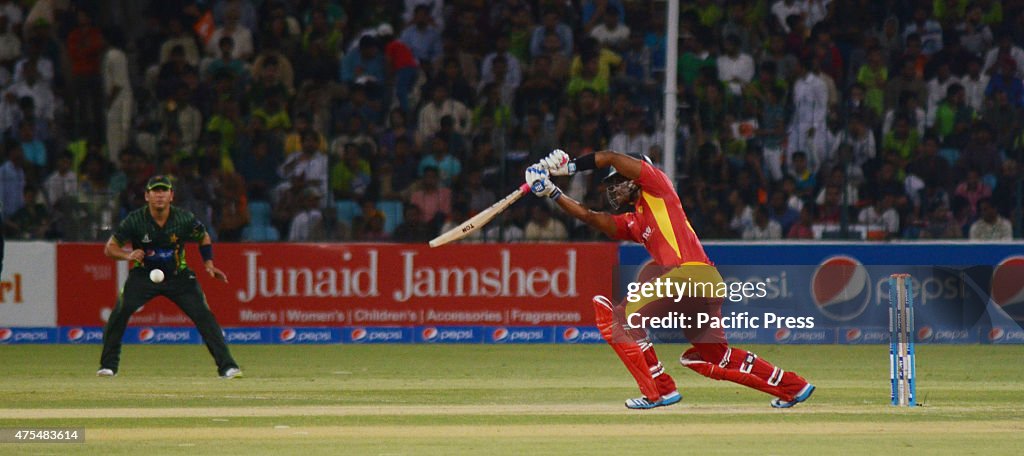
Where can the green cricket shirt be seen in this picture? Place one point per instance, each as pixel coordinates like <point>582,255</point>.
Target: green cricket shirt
<point>164,246</point>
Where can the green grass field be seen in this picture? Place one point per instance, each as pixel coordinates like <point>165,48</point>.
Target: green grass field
<point>494,399</point>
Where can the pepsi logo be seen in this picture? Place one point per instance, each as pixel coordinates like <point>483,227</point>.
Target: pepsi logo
<point>499,334</point>
<point>358,334</point>
<point>1008,286</point>
<point>783,335</point>
<point>5,334</point>
<point>429,333</point>
<point>853,334</point>
<point>75,334</point>
<point>571,334</point>
<point>996,334</point>
<point>840,288</point>
<point>287,335</point>
<point>925,333</point>
<point>146,334</point>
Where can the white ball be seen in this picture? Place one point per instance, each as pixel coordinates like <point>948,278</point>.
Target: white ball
<point>156,276</point>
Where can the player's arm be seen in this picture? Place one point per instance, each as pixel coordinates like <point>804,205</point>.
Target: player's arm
<point>541,185</point>
<point>559,163</point>
<point>115,250</point>
<point>206,251</point>
<point>600,220</point>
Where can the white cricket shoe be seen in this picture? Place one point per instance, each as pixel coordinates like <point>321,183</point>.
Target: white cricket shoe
<point>232,373</point>
<point>105,373</point>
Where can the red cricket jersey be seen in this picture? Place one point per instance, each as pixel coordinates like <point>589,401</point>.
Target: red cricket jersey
<point>659,222</point>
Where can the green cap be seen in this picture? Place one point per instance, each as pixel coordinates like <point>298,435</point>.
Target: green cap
<point>159,180</point>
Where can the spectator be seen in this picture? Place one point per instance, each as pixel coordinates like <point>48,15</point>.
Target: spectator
<point>928,29</point>
<point>117,91</point>
<point>179,36</point>
<point>783,9</point>
<point>240,36</point>
<point>433,199</point>
<point>611,32</point>
<point>938,90</point>
<point>991,226</point>
<point>551,24</point>
<point>85,48</point>
<point>543,227</point>
<point>423,38</point>
<point>973,190</point>
<point>735,68</point>
<point>308,224</point>
<point>975,82</point>
<point>401,64</point>
<point>807,127</point>
<point>12,181</point>
<point>350,176</point>
<point>308,168</point>
<point>441,160</point>
<point>1007,54</point>
<point>513,75</point>
<point>224,61</point>
<point>763,228</point>
<point>953,115</point>
<point>30,85</point>
<point>802,176</point>
<point>940,226</point>
<point>62,182</point>
<point>928,166</point>
<point>366,65</point>
<point>439,106</point>
<point>802,229</point>
<point>981,154</point>
<point>882,214</point>
<point>975,35</point>
<point>31,221</point>
<point>413,229</point>
<point>781,212</point>
<point>259,169</point>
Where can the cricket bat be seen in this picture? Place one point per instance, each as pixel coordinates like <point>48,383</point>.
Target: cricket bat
<point>481,219</point>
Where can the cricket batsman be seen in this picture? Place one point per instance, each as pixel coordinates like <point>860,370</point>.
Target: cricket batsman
<point>157,234</point>
<point>653,216</point>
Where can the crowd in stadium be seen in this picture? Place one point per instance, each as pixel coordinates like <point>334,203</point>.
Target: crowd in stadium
<point>325,120</point>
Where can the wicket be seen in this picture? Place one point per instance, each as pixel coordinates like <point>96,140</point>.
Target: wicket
<point>901,340</point>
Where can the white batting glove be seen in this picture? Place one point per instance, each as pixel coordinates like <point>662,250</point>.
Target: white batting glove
<point>540,183</point>
<point>557,163</point>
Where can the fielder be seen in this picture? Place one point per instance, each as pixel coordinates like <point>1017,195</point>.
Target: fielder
<point>157,234</point>
<point>657,221</point>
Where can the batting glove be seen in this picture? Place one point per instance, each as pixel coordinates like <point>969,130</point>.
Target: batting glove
<point>539,182</point>
<point>558,163</point>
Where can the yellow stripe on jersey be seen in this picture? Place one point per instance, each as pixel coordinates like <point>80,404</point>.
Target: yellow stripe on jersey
<point>660,213</point>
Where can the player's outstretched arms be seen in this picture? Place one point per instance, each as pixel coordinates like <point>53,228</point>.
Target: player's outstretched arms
<point>558,163</point>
